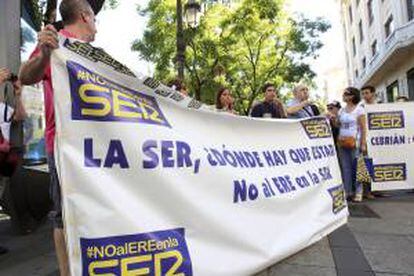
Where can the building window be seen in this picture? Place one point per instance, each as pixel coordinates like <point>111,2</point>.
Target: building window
<point>361,32</point>
<point>410,9</point>
<point>392,92</point>
<point>364,63</point>
<point>356,73</point>
<point>370,12</point>
<point>389,26</point>
<point>353,46</point>
<point>410,80</point>
<point>374,48</point>
<point>351,18</point>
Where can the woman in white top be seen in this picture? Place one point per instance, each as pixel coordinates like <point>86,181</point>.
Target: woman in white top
<point>351,140</point>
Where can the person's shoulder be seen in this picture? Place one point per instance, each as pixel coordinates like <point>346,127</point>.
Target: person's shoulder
<point>257,110</point>
<point>277,103</point>
<point>291,102</point>
<point>360,108</point>
<point>257,105</point>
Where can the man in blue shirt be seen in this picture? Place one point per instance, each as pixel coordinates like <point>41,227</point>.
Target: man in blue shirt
<point>300,107</point>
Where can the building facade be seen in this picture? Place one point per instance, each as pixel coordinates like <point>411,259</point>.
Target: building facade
<point>379,43</point>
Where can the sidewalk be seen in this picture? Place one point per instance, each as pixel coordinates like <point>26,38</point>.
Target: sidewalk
<point>378,240</point>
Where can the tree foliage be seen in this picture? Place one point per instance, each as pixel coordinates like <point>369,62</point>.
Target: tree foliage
<point>241,47</point>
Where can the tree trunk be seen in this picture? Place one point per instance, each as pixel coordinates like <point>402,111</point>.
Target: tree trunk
<point>180,59</point>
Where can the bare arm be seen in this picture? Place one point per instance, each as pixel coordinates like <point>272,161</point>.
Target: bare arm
<point>20,112</point>
<point>361,123</point>
<point>295,109</point>
<point>33,70</point>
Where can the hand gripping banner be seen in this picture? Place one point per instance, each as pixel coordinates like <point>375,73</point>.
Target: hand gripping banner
<point>155,183</point>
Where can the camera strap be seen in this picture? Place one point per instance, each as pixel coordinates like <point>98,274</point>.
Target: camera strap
<point>6,106</point>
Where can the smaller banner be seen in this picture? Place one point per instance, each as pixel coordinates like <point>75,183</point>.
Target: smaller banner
<point>391,145</point>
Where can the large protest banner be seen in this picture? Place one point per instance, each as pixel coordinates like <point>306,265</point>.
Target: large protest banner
<point>155,183</point>
<point>390,142</point>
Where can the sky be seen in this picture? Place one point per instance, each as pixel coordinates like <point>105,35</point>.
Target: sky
<point>330,66</point>
<point>118,28</point>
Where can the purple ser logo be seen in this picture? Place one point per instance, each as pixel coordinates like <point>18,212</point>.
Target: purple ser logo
<point>95,98</point>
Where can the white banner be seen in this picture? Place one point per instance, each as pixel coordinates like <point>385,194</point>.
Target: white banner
<point>155,183</point>
<point>391,145</point>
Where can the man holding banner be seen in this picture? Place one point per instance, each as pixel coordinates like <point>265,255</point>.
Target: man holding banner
<point>205,203</point>
<point>79,22</point>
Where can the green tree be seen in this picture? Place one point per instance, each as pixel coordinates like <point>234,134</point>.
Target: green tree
<point>241,47</point>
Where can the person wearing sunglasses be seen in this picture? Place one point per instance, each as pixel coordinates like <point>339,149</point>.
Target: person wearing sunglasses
<point>351,140</point>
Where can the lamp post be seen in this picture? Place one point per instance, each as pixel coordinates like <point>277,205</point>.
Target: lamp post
<point>191,12</point>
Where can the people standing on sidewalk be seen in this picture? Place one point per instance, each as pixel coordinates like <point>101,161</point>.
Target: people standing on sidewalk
<point>300,106</point>
<point>271,107</point>
<point>351,140</point>
<point>370,97</point>
<point>225,101</point>
<point>79,22</point>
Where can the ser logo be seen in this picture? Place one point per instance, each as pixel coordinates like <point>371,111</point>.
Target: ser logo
<point>390,172</point>
<point>95,98</point>
<point>316,128</point>
<point>157,253</point>
<point>338,198</point>
<point>386,120</point>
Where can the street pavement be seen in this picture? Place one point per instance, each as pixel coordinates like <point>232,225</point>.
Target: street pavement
<point>378,240</point>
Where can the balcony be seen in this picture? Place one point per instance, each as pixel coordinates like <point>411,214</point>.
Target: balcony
<point>396,49</point>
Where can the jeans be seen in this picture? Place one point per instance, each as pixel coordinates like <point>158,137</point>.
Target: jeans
<point>55,194</point>
<point>346,158</point>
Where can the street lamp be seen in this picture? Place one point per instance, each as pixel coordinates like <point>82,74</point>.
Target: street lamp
<point>192,9</point>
